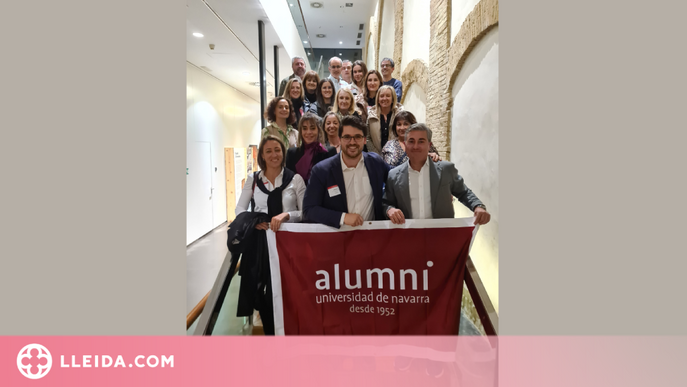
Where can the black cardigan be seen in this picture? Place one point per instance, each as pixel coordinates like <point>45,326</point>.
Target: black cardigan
<point>294,154</point>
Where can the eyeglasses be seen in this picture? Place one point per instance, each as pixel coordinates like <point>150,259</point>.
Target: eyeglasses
<point>357,137</point>
<point>336,67</point>
<point>386,65</point>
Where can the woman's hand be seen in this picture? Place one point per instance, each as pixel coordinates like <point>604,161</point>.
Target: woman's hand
<point>262,226</point>
<point>435,157</point>
<point>278,220</point>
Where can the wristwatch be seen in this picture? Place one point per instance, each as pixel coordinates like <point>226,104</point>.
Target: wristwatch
<point>481,206</point>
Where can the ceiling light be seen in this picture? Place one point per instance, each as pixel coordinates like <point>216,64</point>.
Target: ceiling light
<point>340,54</point>
<point>308,53</point>
<point>340,42</point>
<point>320,35</point>
<point>198,35</point>
<point>305,41</point>
<point>349,4</point>
<point>316,4</point>
<point>291,5</point>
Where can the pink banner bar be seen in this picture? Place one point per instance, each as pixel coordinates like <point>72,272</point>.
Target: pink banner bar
<point>342,361</point>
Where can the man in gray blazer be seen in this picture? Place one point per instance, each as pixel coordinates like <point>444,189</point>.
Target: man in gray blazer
<point>423,189</point>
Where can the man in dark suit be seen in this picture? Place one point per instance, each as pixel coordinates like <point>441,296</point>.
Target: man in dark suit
<point>347,189</point>
<point>423,189</point>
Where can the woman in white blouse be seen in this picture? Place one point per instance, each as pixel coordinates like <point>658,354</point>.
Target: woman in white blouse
<point>277,191</point>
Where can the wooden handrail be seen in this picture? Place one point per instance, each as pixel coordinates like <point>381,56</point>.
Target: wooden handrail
<point>198,309</point>
<point>485,309</point>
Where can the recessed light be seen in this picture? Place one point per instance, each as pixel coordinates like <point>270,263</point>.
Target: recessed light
<point>291,5</point>
<point>340,54</point>
<point>305,41</point>
<point>320,35</point>
<point>316,4</point>
<point>308,53</point>
<point>340,42</point>
<point>198,35</point>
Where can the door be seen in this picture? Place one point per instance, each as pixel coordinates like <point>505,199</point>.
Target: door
<point>198,190</point>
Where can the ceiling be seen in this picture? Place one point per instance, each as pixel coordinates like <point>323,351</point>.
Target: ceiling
<point>234,59</point>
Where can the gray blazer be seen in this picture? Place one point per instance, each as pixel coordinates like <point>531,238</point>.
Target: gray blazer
<point>444,181</point>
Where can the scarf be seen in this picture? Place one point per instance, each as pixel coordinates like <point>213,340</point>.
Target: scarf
<point>304,165</point>
<point>274,201</point>
<point>311,97</point>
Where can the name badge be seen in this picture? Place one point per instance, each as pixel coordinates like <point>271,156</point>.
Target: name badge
<point>334,191</point>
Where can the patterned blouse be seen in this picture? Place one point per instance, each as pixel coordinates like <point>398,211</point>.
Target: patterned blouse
<point>394,154</point>
<point>290,138</point>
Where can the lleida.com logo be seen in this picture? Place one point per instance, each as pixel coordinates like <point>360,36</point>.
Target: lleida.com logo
<point>34,361</point>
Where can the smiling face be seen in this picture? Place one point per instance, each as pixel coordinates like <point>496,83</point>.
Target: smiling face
<point>386,68</point>
<point>327,90</point>
<point>417,146</point>
<point>298,67</point>
<point>358,73</point>
<point>385,99</point>
<point>335,68</point>
<point>331,126</point>
<point>272,154</point>
<point>401,128</point>
<point>344,101</point>
<point>311,85</point>
<point>373,83</point>
<point>282,110</point>
<point>295,92</point>
<point>309,131</point>
<point>352,147</point>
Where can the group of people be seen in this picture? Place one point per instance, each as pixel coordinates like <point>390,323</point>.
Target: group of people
<point>345,165</point>
<point>355,156</point>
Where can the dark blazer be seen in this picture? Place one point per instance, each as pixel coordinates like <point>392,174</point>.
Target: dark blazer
<point>319,207</point>
<point>444,184</point>
<point>294,154</point>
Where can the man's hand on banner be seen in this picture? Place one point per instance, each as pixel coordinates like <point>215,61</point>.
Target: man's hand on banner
<point>262,226</point>
<point>396,216</point>
<point>481,216</point>
<point>353,220</point>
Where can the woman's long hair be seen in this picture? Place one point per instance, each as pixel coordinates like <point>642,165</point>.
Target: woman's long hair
<point>315,119</point>
<point>381,83</point>
<point>287,89</point>
<point>362,79</point>
<point>351,107</point>
<point>320,99</point>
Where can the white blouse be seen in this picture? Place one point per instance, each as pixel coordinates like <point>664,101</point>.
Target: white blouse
<point>291,197</point>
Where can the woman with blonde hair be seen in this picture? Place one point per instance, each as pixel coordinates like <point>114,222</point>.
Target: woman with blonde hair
<point>343,103</point>
<point>380,117</point>
<point>294,91</point>
<point>279,117</point>
<point>310,150</point>
<point>331,123</point>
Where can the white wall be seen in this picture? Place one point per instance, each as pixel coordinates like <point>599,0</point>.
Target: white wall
<point>386,41</point>
<point>460,9</point>
<point>371,57</point>
<point>220,115</point>
<point>416,102</point>
<point>475,150</point>
<point>415,32</point>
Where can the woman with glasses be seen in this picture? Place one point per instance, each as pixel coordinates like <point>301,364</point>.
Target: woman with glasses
<point>380,118</point>
<point>310,150</point>
<point>394,152</point>
<point>279,117</point>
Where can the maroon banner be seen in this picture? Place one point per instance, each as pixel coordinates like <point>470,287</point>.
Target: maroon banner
<point>378,279</point>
